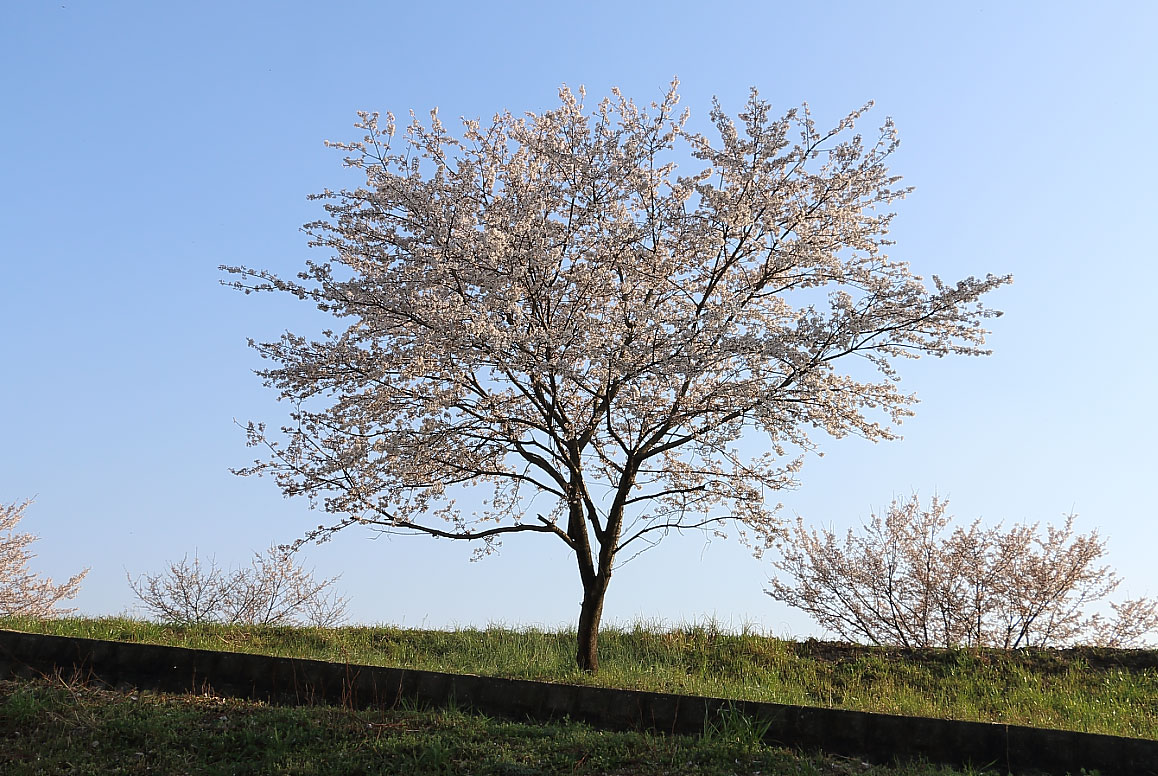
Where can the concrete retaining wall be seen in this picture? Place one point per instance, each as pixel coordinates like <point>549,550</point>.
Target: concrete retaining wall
<point>878,737</point>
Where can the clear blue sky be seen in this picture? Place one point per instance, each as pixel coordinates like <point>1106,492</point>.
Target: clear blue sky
<point>146,143</point>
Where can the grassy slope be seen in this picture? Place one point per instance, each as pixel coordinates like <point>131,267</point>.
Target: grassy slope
<point>1101,691</point>
<point>55,728</point>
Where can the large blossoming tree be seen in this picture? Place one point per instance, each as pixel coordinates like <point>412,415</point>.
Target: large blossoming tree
<point>542,307</point>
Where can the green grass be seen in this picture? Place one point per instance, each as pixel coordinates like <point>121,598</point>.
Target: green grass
<point>1090,690</point>
<point>55,727</point>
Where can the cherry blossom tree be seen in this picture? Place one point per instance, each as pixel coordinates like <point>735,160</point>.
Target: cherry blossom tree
<point>543,307</point>
<point>912,579</point>
<point>272,590</point>
<point>22,592</point>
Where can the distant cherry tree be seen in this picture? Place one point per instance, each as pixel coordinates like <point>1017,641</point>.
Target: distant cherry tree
<point>543,307</point>
<point>22,592</point>
<point>911,578</point>
<point>272,590</point>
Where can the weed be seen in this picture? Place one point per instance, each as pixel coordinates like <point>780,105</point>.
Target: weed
<point>733,727</point>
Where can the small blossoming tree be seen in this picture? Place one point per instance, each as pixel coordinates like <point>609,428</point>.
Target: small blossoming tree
<point>272,590</point>
<point>912,579</point>
<point>22,592</point>
<point>544,307</point>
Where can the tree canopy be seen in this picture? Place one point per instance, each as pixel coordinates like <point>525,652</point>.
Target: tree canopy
<point>545,306</point>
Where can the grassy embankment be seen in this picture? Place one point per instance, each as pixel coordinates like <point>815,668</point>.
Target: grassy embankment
<point>1091,690</point>
<point>56,727</point>
<point>51,728</point>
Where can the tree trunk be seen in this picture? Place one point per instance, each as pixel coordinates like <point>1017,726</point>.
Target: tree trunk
<point>590,613</point>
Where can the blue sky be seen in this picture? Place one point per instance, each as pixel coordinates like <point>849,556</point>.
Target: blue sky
<point>144,144</point>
